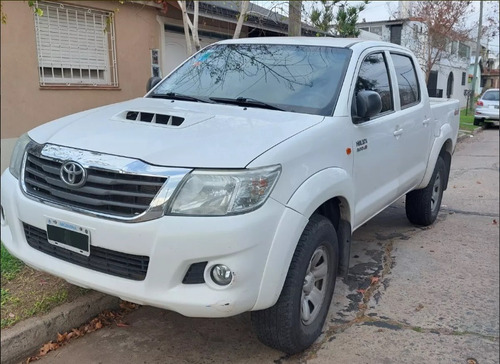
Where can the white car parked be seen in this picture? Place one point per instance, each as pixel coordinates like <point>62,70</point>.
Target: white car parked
<point>487,111</point>
<point>234,185</point>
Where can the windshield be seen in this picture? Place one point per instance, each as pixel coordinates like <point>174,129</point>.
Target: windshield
<point>294,78</point>
<point>491,95</point>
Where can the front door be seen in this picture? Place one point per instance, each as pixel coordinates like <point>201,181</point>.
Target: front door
<point>375,172</point>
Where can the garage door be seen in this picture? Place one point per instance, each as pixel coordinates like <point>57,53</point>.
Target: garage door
<point>176,49</point>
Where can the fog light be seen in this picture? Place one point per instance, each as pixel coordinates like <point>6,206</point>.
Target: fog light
<point>221,274</point>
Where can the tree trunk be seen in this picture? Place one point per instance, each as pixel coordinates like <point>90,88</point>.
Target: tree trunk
<point>243,11</point>
<point>294,21</point>
<point>186,21</point>
<point>194,29</point>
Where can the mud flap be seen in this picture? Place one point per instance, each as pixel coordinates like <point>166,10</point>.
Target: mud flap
<point>344,238</point>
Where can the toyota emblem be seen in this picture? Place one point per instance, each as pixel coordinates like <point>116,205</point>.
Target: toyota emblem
<point>73,174</point>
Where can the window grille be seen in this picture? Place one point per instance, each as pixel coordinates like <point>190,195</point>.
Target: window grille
<point>75,46</point>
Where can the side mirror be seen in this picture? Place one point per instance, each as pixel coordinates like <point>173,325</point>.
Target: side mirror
<point>152,82</point>
<point>365,105</point>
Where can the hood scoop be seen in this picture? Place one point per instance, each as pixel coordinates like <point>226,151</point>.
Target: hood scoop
<point>153,118</point>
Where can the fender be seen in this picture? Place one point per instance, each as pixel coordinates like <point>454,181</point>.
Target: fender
<point>322,186</point>
<point>445,133</point>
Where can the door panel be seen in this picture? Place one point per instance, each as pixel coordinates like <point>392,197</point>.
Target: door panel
<point>375,173</point>
<point>375,166</point>
<point>414,117</point>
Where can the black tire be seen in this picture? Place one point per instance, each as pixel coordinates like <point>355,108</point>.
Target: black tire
<point>422,206</point>
<point>285,326</point>
<point>477,121</point>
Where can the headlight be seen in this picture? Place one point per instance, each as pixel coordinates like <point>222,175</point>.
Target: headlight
<point>219,193</point>
<point>17,155</point>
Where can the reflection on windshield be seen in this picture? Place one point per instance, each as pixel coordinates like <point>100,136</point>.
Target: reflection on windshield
<point>294,78</point>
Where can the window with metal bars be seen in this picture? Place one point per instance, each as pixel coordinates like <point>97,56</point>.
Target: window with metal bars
<point>75,46</point>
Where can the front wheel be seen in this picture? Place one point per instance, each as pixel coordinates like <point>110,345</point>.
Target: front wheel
<point>296,320</point>
<point>422,206</point>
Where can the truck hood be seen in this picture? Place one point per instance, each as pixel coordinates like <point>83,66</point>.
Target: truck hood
<point>176,133</point>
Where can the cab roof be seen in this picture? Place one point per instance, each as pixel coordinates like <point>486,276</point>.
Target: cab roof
<point>314,41</point>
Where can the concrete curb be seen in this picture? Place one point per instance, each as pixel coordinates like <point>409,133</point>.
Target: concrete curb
<point>28,336</point>
<point>467,134</point>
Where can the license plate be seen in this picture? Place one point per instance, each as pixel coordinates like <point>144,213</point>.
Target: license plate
<point>69,236</point>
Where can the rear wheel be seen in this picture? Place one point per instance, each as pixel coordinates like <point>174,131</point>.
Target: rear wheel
<point>477,121</point>
<point>296,320</point>
<point>422,206</point>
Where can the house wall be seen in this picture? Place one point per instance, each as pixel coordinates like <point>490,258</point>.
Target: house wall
<point>457,89</point>
<point>26,105</point>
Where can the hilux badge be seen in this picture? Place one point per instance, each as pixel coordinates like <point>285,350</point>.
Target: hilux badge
<point>73,174</point>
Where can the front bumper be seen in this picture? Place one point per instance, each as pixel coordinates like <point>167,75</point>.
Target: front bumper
<point>172,243</point>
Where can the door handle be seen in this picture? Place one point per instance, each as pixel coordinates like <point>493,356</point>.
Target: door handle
<point>426,121</point>
<point>398,132</point>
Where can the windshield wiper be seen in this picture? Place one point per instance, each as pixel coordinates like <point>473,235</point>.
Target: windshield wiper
<point>177,96</point>
<point>244,101</point>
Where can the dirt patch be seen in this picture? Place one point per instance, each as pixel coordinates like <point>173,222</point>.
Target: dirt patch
<point>33,293</point>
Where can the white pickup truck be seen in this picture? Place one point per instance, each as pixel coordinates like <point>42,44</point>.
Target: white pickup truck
<point>234,185</point>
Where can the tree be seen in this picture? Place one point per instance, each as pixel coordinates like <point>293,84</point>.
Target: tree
<point>323,18</point>
<point>294,18</point>
<point>190,27</point>
<point>341,22</point>
<point>443,22</point>
<point>243,12</point>
<point>346,19</point>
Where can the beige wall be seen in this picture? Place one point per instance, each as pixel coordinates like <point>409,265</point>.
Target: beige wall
<point>25,105</point>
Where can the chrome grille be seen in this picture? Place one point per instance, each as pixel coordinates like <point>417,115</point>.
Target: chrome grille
<point>109,192</point>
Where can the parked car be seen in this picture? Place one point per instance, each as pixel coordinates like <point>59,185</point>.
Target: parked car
<point>234,185</point>
<point>487,108</point>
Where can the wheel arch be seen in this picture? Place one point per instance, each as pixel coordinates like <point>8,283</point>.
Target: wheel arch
<point>328,193</point>
<point>337,210</point>
<point>443,150</point>
<point>446,153</point>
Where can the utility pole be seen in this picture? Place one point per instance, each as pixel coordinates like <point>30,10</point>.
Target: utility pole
<point>478,52</point>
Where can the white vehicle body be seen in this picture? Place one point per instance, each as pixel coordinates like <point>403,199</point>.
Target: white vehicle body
<point>487,108</point>
<point>363,167</point>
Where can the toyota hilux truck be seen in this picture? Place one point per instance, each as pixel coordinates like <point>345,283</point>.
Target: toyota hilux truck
<point>236,182</point>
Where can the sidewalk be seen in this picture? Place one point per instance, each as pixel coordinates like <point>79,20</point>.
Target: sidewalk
<point>26,337</point>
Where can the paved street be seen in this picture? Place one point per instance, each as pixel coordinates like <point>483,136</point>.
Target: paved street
<point>414,295</point>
